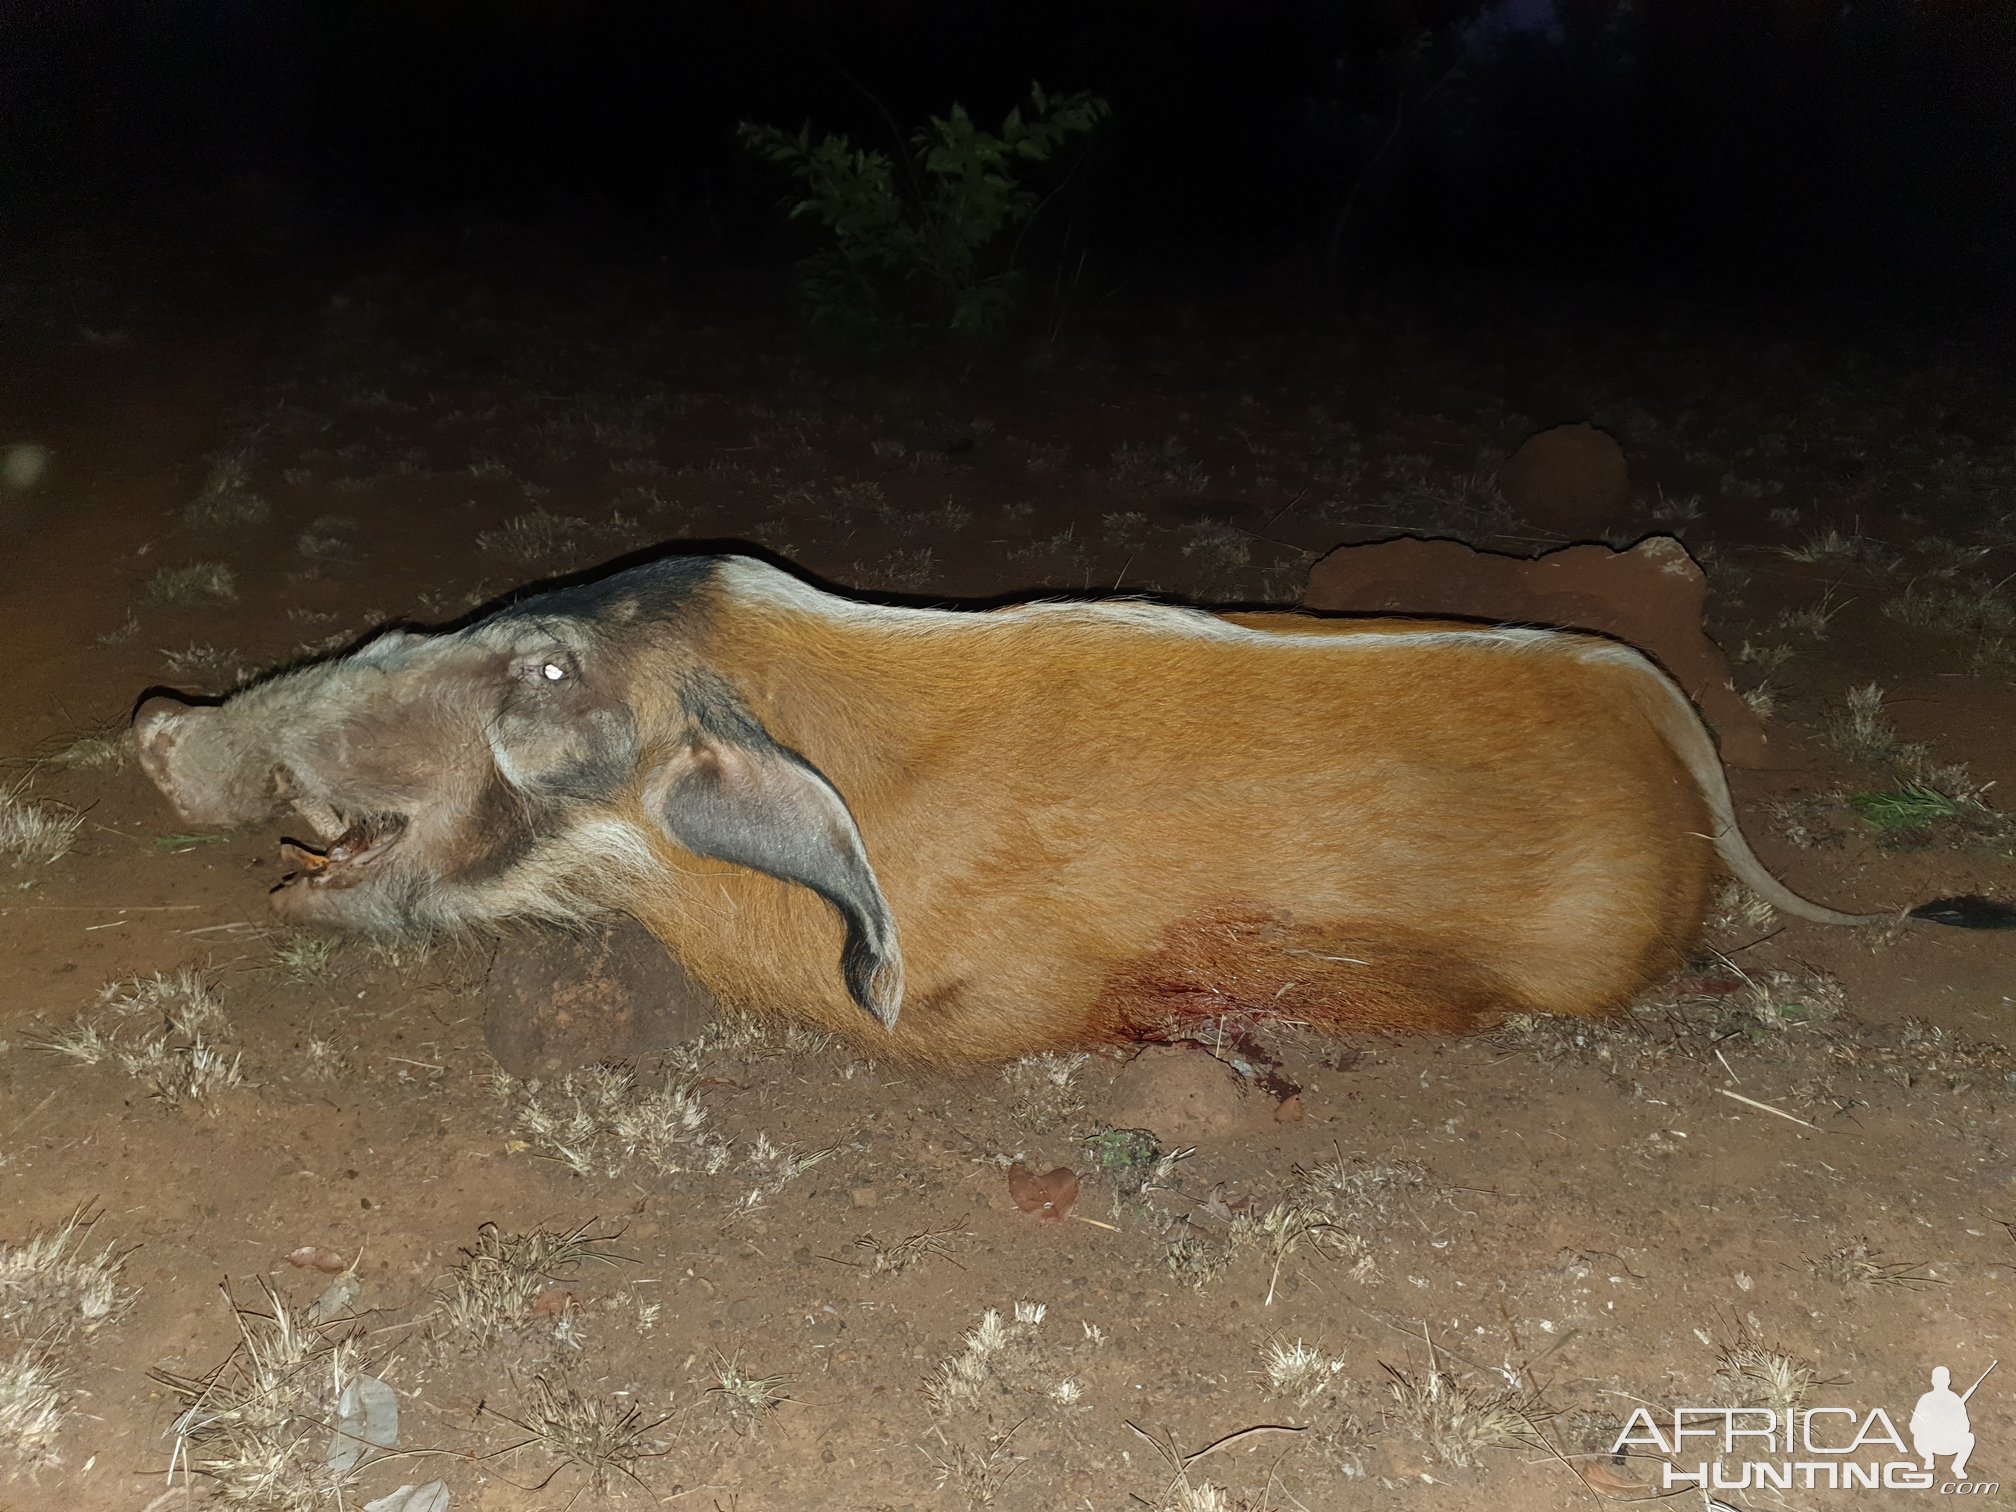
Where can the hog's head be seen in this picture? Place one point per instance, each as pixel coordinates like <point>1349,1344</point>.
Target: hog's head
<point>534,764</point>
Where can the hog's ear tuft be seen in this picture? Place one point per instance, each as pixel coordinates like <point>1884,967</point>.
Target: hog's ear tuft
<point>732,793</point>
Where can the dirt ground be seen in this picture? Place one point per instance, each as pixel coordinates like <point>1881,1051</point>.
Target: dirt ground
<point>1383,1273</point>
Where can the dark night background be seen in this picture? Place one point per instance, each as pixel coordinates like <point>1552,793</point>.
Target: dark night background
<point>1767,144</point>
<point>319,315</point>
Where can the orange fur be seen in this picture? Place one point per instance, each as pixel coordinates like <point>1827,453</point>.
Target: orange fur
<point>1084,822</point>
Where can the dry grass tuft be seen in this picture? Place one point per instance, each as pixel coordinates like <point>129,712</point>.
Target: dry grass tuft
<point>909,1253</point>
<point>1218,547</point>
<point>1974,607</point>
<point>1736,910</point>
<point>101,750</point>
<point>1773,1002</point>
<point>1460,1422</point>
<point>1360,1190</point>
<point>1186,1495</point>
<point>1301,1224</point>
<point>328,538</point>
<point>497,1287</point>
<point>603,1439</point>
<point>1297,1370</point>
<point>258,1424</point>
<point>1041,1087</point>
<point>34,831</point>
<point>962,1377</point>
<point>1196,1259</point>
<point>1811,622</point>
<point>1295,1227</point>
<point>324,1060</point>
<point>977,1472</point>
<point>220,664</point>
<point>1181,1493</point>
<point>745,1038</point>
<point>193,583</point>
<point>34,1405</point>
<point>600,1119</point>
<point>1165,469</point>
<point>52,1294</point>
<point>1830,545</point>
<point>535,536</point>
<point>1005,1366</point>
<point>746,1398</point>
<point>774,1167</point>
<point>168,1030</point>
<point>1750,1374</point>
<point>227,498</point>
<point>48,1287</point>
<point>1860,1264</point>
<point>1616,1044</point>
<point>1767,658</point>
<point>1956,1061</point>
<point>1860,730</point>
<point>305,955</point>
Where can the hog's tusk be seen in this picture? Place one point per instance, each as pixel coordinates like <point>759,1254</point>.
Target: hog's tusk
<point>300,855</point>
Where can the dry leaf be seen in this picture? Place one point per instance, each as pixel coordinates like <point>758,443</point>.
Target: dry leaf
<point>1048,1197</point>
<point>1607,1479</point>
<point>1226,1203</point>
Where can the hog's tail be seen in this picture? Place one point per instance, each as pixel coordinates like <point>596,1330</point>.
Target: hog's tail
<point>1681,725</point>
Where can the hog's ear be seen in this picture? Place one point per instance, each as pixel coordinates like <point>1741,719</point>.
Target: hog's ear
<point>734,794</point>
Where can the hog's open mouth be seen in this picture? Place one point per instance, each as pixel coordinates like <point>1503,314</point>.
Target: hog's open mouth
<point>349,846</point>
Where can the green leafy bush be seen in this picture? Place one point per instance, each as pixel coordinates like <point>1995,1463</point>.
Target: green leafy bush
<point>922,256</point>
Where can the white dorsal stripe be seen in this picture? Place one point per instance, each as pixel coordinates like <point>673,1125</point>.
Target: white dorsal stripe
<point>757,583</point>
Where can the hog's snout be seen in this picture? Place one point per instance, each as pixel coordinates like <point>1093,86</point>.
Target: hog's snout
<point>156,723</point>
<point>152,718</point>
<point>190,753</point>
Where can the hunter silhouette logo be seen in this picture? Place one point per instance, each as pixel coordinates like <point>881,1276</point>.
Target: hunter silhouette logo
<point>1711,1449</point>
<point>1939,1423</point>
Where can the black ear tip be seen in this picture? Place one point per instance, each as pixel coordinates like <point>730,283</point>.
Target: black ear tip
<point>1967,913</point>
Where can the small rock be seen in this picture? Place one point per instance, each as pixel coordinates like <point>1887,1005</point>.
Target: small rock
<point>558,1002</point>
<point>1180,1095</point>
<point>335,1301</point>
<point>1573,477</point>
<point>432,1497</point>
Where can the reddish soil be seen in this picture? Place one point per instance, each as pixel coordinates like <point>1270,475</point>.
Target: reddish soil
<point>1579,1220</point>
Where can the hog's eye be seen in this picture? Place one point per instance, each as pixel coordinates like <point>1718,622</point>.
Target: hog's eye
<point>549,670</point>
